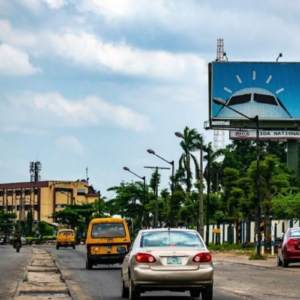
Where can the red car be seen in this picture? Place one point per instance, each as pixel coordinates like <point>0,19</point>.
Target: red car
<point>289,248</point>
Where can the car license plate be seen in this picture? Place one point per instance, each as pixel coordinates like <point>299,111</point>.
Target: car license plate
<point>108,248</point>
<point>174,261</point>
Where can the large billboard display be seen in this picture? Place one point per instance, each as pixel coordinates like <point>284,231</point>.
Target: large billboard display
<point>269,90</point>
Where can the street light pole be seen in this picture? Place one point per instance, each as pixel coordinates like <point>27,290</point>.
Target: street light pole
<point>156,193</point>
<point>208,194</point>
<point>257,217</point>
<point>144,198</point>
<point>172,184</point>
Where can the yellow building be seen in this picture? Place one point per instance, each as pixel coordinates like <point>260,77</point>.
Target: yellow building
<point>44,197</point>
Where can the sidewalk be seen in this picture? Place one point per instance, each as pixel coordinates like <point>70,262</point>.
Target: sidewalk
<point>232,257</point>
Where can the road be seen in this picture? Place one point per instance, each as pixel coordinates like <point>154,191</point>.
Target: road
<point>12,268</point>
<point>233,281</point>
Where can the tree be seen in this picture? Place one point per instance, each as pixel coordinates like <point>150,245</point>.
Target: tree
<point>192,141</point>
<point>29,223</point>
<point>45,229</point>
<point>75,215</point>
<point>7,222</point>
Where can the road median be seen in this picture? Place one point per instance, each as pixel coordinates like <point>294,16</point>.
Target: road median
<point>43,279</point>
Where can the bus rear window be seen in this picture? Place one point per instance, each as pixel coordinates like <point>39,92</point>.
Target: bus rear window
<point>108,230</point>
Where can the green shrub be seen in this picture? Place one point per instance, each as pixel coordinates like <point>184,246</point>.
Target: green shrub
<point>226,247</point>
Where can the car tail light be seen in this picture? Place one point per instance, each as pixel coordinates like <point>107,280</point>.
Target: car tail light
<point>202,257</point>
<point>292,242</point>
<point>145,258</point>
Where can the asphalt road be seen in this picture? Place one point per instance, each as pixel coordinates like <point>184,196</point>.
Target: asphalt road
<point>12,269</point>
<point>232,280</point>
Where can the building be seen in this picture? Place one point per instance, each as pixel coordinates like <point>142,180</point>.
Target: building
<point>44,197</point>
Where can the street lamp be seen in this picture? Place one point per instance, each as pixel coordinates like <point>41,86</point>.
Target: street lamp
<point>156,192</point>
<point>256,121</point>
<point>144,201</point>
<point>172,185</point>
<point>200,210</point>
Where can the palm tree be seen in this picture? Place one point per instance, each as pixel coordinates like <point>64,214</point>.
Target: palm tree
<point>192,141</point>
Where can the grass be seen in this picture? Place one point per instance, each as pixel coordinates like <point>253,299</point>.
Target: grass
<point>257,257</point>
<point>229,247</point>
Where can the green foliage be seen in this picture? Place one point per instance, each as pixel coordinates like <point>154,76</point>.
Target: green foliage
<point>7,222</point>
<point>257,257</point>
<point>75,215</point>
<point>29,223</point>
<point>286,206</point>
<point>226,247</point>
<point>45,229</point>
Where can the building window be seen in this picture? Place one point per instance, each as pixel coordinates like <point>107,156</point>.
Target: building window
<point>80,192</point>
<point>9,193</point>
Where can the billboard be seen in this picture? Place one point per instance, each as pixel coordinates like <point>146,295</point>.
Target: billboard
<point>277,135</point>
<point>269,90</point>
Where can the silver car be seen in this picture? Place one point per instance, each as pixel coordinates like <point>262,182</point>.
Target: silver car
<point>168,259</point>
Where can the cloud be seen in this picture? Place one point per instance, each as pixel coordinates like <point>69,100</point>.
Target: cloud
<point>86,50</point>
<point>15,62</point>
<point>18,38</point>
<point>54,111</point>
<point>70,144</point>
<point>55,4</point>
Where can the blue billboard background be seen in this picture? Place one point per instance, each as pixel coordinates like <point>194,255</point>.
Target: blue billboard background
<point>269,90</point>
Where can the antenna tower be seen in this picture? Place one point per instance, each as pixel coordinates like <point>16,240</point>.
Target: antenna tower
<point>35,168</point>
<point>219,135</point>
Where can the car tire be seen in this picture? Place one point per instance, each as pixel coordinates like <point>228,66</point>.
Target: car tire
<point>279,262</point>
<point>133,293</point>
<point>207,294</point>
<point>285,263</point>
<point>195,294</point>
<point>88,265</point>
<point>124,290</point>
<point>57,247</point>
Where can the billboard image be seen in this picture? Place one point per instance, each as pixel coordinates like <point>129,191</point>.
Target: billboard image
<point>269,90</point>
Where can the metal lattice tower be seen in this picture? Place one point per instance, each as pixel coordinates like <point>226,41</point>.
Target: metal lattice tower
<point>219,135</point>
<point>35,170</point>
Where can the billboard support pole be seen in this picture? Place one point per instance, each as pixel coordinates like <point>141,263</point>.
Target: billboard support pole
<point>257,206</point>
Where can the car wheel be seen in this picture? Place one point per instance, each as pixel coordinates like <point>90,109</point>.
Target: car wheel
<point>207,294</point>
<point>124,290</point>
<point>133,293</point>
<point>88,265</point>
<point>279,262</point>
<point>57,247</point>
<point>195,294</point>
<point>285,263</point>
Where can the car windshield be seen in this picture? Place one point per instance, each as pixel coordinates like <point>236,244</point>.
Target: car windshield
<point>295,233</point>
<point>108,230</point>
<point>171,239</point>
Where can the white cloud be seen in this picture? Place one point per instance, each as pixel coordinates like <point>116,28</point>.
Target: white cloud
<point>86,50</point>
<point>56,3</point>
<point>70,144</point>
<point>15,62</point>
<point>18,38</point>
<point>34,6</point>
<point>53,110</point>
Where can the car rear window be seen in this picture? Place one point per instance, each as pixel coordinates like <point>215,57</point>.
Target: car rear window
<point>108,230</point>
<point>295,233</point>
<point>171,239</point>
<point>65,232</point>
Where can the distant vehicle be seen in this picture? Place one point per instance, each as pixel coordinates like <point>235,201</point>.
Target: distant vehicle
<point>23,240</point>
<point>2,240</point>
<point>168,259</point>
<point>107,241</point>
<point>289,248</point>
<point>252,102</point>
<point>65,238</point>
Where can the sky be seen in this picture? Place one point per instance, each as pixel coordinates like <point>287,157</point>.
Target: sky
<point>95,83</point>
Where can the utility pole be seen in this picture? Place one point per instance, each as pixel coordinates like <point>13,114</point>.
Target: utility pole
<point>156,193</point>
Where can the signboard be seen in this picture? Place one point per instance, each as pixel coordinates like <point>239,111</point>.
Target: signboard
<point>269,90</point>
<point>216,230</point>
<point>264,135</point>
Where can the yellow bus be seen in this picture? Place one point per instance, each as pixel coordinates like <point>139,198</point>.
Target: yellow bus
<point>107,241</point>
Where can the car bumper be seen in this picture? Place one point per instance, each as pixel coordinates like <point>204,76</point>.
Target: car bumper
<point>106,259</point>
<point>172,280</point>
